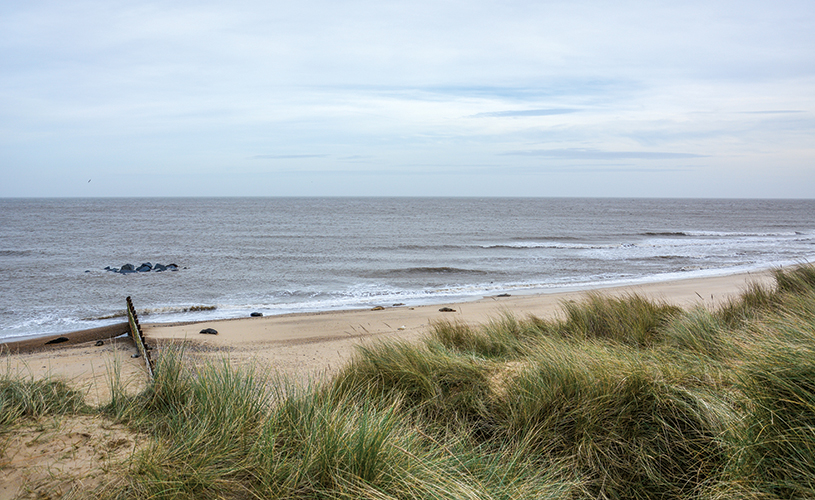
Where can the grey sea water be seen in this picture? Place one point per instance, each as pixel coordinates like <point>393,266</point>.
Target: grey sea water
<point>280,255</point>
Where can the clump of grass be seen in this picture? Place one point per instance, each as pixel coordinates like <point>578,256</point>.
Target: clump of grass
<point>439,382</point>
<point>502,338</point>
<point>32,398</point>
<point>698,331</point>
<point>798,280</point>
<point>626,429</point>
<point>755,301</point>
<point>632,320</point>
<point>777,446</point>
<point>203,420</point>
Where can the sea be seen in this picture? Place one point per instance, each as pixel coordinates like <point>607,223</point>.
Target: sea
<point>236,256</point>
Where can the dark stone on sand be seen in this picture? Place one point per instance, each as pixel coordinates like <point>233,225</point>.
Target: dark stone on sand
<point>256,314</point>
<point>209,331</point>
<point>504,295</point>
<point>99,343</point>
<point>447,310</point>
<point>57,340</point>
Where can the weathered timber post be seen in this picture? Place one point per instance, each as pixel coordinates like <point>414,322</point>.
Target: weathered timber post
<point>138,337</point>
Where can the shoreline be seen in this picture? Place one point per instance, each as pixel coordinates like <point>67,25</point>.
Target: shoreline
<point>533,300</point>
<point>306,346</point>
<point>30,341</point>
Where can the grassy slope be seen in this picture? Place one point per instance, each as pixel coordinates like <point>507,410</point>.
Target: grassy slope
<point>625,398</point>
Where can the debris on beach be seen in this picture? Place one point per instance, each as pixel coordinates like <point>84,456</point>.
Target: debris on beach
<point>209,331</point>
<point>378,308</point>
<point>447,310</point>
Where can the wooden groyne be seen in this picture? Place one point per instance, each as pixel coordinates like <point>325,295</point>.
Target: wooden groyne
<point>138,337</point>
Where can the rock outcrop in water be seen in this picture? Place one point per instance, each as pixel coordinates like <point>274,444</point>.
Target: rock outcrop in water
<point>146,267</point>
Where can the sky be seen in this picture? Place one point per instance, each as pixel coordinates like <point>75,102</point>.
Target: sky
<point>420,98</point>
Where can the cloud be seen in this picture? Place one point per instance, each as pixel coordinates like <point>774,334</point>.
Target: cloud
<point>595,154</point>
<point>526,112</point>
<point>286,157</point>
<point>773,112</point>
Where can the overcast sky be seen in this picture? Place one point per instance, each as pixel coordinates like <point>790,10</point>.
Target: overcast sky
<point>408,98</point>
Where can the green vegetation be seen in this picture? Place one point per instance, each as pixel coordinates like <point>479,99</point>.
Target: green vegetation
<point>623,398</point>
<point>35,398</point>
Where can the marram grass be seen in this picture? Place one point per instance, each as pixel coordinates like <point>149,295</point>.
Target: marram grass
<point>622,398</point>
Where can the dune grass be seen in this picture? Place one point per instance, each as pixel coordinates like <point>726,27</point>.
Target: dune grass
<point>622,398</point>
<point>33,398</point>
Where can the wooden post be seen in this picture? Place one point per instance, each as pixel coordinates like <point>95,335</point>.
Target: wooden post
<point>138,337</point>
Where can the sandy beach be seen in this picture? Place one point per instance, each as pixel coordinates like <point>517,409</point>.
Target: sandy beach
<point>305,346</point>
<point>300,347</point>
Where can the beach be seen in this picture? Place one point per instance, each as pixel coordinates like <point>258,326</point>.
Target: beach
<point>302,347</point>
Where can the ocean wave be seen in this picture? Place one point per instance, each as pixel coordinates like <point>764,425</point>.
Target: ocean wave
<point>152,311</point>
<point>423,248</point>
<point>664,233</point>
<point>549,244</point>
<point>15,253</point>
<point>175,309</point>
<point>726,234</point>
<point>424,271</point>
<point>545,238</point>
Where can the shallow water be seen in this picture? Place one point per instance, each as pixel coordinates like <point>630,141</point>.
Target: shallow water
<point>278,255</point>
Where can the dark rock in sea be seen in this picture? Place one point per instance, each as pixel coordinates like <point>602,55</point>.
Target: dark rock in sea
<point>447,310</point>
<point>57,340</point>
<point>146,267</point>
<point>209,331</point>
<point>99,343</point>
<point>256,314</point>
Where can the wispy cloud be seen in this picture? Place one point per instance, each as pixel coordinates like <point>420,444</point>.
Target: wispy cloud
<point>773,112</point>
<point>595,154</point>
<point>526,112</point>
<point>286,157</point>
